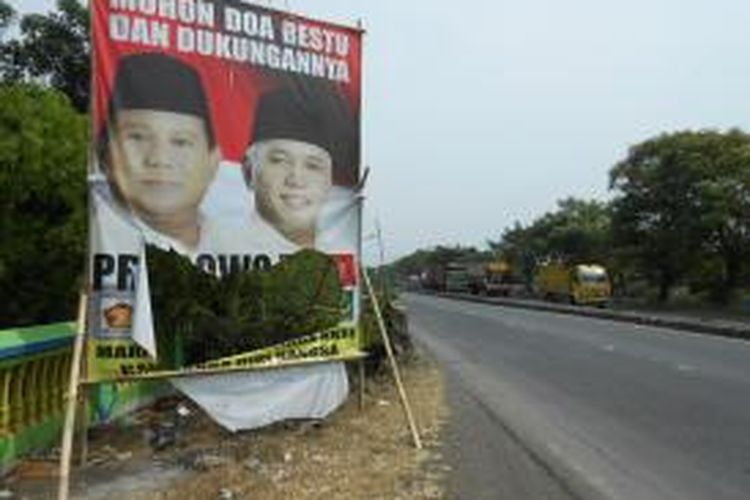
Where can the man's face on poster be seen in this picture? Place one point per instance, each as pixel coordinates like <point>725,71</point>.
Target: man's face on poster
<point>292,183</point>
<point>161,161</point>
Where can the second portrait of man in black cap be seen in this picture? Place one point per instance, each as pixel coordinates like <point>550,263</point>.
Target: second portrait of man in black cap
<point>158,148</point>
<point>303,147</point>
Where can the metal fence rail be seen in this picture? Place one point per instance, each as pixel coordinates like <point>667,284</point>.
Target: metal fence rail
<point>34,369</point>
<point>32,389</point>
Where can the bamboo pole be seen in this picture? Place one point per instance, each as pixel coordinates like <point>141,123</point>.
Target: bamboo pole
<point>83,410</point>
<point>72,401</point>
<point>392,360</point>
<point>361,370</point>
<point>83,424</point>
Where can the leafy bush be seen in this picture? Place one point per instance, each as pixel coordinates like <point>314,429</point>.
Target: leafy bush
<point>43,144</point>
<point>199,317</point>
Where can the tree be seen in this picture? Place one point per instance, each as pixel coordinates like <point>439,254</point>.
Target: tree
<point>421,260</point>
<point>7,13</point>
<point>7,51</point>
<point>724,201</point>
<point>577,231</point>
<point>683,199</point>
<point>521,248</point>
<point>43,144</point>
<point>53,49</point>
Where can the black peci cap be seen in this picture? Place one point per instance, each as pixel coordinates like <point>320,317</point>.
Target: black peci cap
<point>162,83</point>
<point>316,112</point>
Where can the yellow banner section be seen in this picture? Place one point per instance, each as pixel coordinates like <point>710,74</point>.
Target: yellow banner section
<point>107,359</point>
<point>113,359</point>
<point>338,342</point>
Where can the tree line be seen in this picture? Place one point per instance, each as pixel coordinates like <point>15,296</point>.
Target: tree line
<point>679,215</point>
<point>44,136</point>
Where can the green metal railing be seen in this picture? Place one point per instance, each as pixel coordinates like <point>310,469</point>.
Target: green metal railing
<point>34,371</point>
<point>34,368</point>
<point>34,374</point>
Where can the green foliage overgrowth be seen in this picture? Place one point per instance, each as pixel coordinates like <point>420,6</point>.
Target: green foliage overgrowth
<point>43,144</point>
<point>200,317</point>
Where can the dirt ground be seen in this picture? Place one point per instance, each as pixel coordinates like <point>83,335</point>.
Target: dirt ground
<point>355,453</point>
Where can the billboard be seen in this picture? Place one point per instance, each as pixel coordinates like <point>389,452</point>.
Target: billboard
<point>227,134</point>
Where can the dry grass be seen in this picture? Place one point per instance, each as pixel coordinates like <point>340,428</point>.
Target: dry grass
<point>354,454</point>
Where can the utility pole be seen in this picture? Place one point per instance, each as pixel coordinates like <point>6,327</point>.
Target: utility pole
<point>381,248</point>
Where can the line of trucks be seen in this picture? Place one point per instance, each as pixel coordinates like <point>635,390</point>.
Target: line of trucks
<point>586,284</point>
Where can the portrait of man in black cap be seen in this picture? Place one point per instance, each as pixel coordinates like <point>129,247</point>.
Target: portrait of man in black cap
<point>157,147</point>
<point>303,144</point>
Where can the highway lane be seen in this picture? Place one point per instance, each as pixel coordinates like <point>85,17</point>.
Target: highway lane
<point>620,410</point>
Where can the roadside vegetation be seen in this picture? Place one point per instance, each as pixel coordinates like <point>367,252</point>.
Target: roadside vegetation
<point>43,146</point>
<point>677,228</point>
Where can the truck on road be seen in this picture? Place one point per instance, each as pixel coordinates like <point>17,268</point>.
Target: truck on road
<point>496,278</point>
<point>450,277</point>
<point>457,278</point>
<point>586,284</point>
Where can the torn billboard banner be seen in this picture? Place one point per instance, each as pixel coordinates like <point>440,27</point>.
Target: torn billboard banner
<point>226,135</point>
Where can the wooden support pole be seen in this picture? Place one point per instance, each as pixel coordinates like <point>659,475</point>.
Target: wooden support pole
<point>392,360</point>
<point>83,411</point>
<point>72,401</point>
<point>83,423</point>
<point>361,370</point>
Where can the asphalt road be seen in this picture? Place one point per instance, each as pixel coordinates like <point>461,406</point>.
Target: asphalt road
<point>594,408</point>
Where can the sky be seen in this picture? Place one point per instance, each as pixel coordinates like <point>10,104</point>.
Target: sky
<point>481,113</point>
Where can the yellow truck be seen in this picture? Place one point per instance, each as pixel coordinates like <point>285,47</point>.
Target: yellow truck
<point>586,284</point>
<point>497,278</point>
